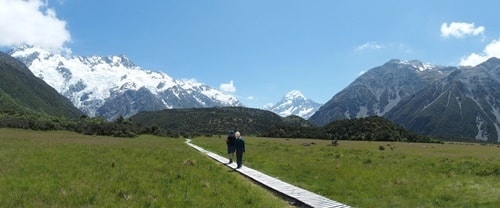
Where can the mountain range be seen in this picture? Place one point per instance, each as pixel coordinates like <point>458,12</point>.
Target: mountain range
<point>113,86</point>
<point>440,101</point>
<point>448,102</point>
<point>294,103</point>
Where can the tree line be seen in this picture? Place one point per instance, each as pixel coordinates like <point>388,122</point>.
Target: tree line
<point>373,128</point>
<point>120,127</point>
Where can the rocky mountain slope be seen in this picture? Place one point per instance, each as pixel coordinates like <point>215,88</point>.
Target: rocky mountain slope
<point>464,104</point>
<point>449,102</point>
<point>379,90</point>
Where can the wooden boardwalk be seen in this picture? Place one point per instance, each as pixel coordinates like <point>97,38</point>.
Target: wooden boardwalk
<point>304,196</point>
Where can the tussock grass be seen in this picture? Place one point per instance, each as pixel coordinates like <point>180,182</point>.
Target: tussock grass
<point>64,169</point>
<point>362,174</point>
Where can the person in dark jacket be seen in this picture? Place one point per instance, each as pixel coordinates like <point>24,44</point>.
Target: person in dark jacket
<point>239,145</point>
<point>230,146</point>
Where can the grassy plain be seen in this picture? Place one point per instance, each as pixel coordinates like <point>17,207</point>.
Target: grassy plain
<point>65,169</point>
<point>360,174</point>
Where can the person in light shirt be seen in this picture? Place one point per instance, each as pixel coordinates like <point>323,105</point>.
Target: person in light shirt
<point>239,145</point>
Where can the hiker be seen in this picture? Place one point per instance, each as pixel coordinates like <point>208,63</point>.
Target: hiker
<point>239,144</point>
<point>230,146</point>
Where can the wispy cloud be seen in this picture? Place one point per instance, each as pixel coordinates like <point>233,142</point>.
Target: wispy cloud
<point>460,29</point>
<point>31,23</point>
<point>228,87</point>
<point>491,50</point>
<point>369,45</point>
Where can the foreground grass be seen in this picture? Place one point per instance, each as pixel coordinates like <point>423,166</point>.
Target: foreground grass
<point>360,174</point>
<point>64,169</point>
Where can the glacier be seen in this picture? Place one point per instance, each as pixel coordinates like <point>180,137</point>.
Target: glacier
<point>90,82</point>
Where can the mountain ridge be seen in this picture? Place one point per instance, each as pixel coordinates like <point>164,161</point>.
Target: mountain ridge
<point>378,90</point>
<point>464,104</point>
<point>420,99</point>
<point>96,84</point>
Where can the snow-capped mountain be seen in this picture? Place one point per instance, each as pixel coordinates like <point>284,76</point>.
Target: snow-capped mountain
<point>113,86</point>
<point>294,103</point>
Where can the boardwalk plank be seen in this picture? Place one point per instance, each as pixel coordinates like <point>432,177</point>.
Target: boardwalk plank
<point>307,197</point>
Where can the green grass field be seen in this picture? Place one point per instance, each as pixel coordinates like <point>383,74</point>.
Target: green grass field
<point>65,169</point>
<point>360,174</point>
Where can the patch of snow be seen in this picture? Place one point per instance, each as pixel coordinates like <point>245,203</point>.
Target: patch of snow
<point>168,106</point>
<point>306,113</point>
<point>426,66</point>
<point>294,94</point>
<point>288,111</point>
<point>418,65</point>
<point>199,100</point>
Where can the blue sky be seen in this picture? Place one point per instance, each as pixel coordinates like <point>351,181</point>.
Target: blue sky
<point>259,50</point>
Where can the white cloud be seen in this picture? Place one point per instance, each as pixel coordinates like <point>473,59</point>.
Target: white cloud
<point>30,22</point>
<point>228,87</point>
<point>460,29</point>
<point>491,50</point>
<point>369,45</point>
